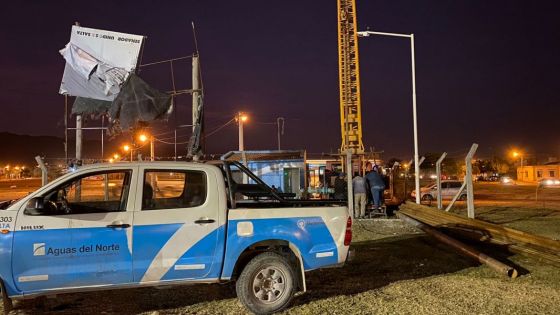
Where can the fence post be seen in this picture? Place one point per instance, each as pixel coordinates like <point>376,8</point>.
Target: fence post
<point>469,181</point>
<point>438,179</point>
<point>44,170</point>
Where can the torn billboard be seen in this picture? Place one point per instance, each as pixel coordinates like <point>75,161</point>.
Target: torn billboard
<point>100,72</point>
<point>138,102</point>
<point>98,62</point>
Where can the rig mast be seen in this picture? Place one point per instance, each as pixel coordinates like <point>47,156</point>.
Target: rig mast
<point>349,78</point>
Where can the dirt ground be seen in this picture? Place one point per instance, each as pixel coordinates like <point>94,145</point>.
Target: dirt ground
<point>397,270</point>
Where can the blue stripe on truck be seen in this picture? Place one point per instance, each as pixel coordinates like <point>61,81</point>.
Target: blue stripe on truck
<point>309,234</point>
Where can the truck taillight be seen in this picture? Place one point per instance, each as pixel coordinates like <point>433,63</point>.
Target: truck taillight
<point>348,235</point>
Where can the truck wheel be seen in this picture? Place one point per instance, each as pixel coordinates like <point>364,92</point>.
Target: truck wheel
<point>267,284</point>
<point>6,301</point>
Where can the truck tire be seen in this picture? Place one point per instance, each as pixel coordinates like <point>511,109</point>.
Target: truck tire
<point>6,301</point>
<point>267,284</point>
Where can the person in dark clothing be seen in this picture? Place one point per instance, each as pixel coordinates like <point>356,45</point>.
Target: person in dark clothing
<point>377,186</point>
<point>340,187</point>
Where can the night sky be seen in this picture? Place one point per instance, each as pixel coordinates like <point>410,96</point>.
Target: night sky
<point>487,71</point>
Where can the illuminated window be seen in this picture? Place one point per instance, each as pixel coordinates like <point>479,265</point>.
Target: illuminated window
<point>174,189</point>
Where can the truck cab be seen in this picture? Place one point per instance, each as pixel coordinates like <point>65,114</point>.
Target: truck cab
<point>123,225</point>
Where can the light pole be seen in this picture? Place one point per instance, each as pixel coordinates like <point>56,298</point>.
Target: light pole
<point>126,149</point>
<point>414,116</point>
<point>518,154</point>
<point>241,118</point>
<point>143,138</point>
<point>280,131</point>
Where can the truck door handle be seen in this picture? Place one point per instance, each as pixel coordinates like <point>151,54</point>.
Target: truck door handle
<point>118,224</point>
<point>204,221</point>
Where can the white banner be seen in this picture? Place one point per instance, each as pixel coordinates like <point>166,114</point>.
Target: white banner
<point>98,62</point>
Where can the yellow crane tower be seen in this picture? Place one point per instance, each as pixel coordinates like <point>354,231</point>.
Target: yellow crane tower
<point>349,78</point>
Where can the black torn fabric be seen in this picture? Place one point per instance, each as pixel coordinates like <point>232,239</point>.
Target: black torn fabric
<point>138,102</point>
<point>89,106</point>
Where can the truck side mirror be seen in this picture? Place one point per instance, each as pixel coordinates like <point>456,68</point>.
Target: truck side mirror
<point>35,206</point>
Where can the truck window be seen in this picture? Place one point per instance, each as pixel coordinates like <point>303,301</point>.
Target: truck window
<point>92,193</point>
<point>173,189</point>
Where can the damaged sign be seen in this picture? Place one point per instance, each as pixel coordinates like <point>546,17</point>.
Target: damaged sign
<point>98,62</point>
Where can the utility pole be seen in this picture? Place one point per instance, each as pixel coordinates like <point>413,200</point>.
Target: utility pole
<point>196,91</point>
<point>152,148</point>
<point>240,119</point>
<point>280,131</point>
<point>66,128</point>
<point>78,139</point>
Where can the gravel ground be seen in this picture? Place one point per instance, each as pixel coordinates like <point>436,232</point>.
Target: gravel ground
<point>397,270</point>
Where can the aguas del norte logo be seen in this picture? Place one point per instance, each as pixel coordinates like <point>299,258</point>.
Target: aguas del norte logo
<point>40,249</point>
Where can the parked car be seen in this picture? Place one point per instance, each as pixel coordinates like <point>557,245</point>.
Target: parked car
<point>449,188</point>
<point>126,225</point>
<point>506,180</point>
<point>549,182</point>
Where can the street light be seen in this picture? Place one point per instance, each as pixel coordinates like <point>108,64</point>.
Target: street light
<point>516,154</point>
<point>128,148</point>
<point>241,119</point>
<point>414,116</point>
<point>143,138</point>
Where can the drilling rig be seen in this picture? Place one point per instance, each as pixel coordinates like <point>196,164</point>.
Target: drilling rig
<point>349,79</point>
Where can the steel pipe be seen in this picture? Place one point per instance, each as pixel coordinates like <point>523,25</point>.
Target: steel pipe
<point>462,248</point>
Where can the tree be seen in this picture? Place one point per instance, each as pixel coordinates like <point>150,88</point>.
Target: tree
<point>501,166</point>
<point>451,167</point>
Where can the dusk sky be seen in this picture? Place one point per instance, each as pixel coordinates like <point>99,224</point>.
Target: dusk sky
<point>487,71</point>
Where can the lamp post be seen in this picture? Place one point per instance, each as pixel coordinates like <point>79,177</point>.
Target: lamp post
<point>126,149</point>
<point>241,119</point>
<point>414,116</point>
<point>280,131</point>
<point>143,138</point>
<point>518,154</point>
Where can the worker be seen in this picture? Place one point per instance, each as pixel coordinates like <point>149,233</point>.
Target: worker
<point>340,188</point>
<point>360,199</point>
<point>377,186</point>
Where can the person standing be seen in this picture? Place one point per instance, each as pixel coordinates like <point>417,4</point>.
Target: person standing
<point>377,185</point>
<point>340,188</point>
<point>360,199</point>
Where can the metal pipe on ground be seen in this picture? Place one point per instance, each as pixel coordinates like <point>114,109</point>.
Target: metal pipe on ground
<point>462,248</point>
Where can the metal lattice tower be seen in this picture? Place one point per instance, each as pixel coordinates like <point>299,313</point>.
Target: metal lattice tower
<point>349,78</point>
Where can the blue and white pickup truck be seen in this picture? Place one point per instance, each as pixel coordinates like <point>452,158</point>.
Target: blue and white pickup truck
<point>126,225</point>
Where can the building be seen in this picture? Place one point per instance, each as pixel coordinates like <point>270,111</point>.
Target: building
<point>535,173</point>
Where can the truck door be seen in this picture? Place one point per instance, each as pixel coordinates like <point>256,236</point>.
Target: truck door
<point>85,239</point>
<point>176,226</point>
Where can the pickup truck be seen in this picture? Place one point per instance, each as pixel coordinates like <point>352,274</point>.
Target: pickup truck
<point>125,225</point>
